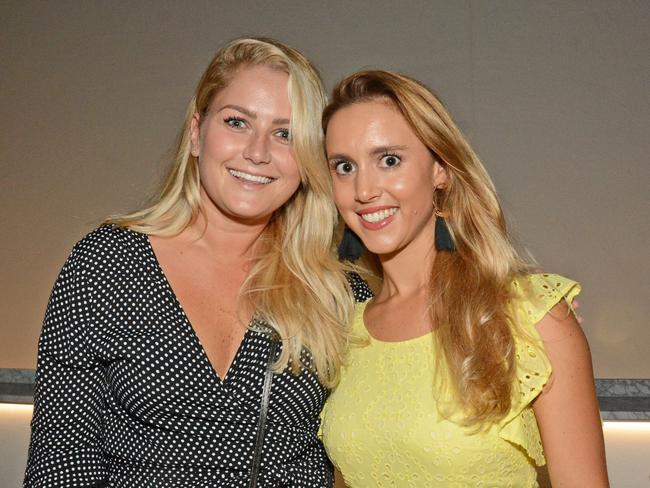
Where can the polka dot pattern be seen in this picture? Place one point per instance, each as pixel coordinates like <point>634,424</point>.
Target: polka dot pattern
<point>360,288</point>
<point>126,396</point>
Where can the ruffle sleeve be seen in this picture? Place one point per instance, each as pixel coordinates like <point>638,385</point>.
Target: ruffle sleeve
<point>535,295</point>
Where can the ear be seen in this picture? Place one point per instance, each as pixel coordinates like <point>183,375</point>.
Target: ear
<point>195,134</point>
<point>440,176</point>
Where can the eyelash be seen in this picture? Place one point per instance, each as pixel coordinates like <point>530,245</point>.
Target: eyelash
<point>392,155</point>
<point>229,121</point>
<point>336,163</point>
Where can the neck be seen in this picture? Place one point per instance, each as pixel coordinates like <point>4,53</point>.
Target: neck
<point>407,272</point>
<point>227,238</point>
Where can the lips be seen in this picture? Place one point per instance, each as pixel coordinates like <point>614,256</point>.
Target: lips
<point>377,218</point>
<point>248,177</point>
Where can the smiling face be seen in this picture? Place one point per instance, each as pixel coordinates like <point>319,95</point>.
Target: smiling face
<point>247,167</point>
<point>383,176</point>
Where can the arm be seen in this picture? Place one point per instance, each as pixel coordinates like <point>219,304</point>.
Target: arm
<point>567,410</point>
<point>66,441</point>
<point>338,479</point>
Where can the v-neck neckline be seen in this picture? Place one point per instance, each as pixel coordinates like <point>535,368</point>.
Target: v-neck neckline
<point>190,328</point>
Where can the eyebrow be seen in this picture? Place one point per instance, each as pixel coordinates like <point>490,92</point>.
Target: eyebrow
<point>250,114</point>
<point>339,156</point>
<point>375,152</point>
<point>384,149</point>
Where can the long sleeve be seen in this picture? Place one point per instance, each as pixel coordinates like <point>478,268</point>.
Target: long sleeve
<point>126,395</point>
<point>66,448</point>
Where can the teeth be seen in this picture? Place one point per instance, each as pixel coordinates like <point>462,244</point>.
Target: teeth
<point>248,177</point>
<point>379,215</point>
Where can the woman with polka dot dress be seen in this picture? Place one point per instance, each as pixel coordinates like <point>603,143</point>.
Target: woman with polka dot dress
<point>156,342</point>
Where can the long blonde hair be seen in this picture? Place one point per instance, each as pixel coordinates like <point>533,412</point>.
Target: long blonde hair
<point>296,283</point>
<point>470,288</point>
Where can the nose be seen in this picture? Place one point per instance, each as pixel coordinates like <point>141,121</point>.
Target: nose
<point>257,149</point>
<point>366,186</point>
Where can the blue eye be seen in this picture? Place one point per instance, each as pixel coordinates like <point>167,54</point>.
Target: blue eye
<point>343,167</point>
<point>235,122</point>
<point>390,160</point>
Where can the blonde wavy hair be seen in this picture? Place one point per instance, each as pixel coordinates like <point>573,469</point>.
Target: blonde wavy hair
<point>470,289</point>
<point>296,284</point>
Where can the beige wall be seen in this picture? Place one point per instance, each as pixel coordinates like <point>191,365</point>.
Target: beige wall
<point>554,96</point>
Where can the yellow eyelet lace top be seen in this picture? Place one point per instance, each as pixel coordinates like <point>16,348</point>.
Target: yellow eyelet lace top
<point>381,427</point>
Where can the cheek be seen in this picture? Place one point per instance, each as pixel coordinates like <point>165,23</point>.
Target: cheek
<point>416,189</point>
<point>218,147</point>
<point>288,166</point>
<point>212,162</point>
<point>217,141</point>
<point>209,177</point>
<point>283,157</point>
<point>422,200</point>
<point>406,189</point>
<point>342,194</point>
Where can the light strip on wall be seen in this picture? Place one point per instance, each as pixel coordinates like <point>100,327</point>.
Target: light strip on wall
<point>8,408</point>
<point>626,425</point>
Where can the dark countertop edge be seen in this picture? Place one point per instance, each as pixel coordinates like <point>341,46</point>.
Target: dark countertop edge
<point>612,409</point>
<point>625,416</point>
<point>16,376</point>
<point>624,404</point>
<point>619,398</point>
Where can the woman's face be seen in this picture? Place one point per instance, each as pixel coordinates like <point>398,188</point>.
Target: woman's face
<point>383,176</point>
<point>246,164</point>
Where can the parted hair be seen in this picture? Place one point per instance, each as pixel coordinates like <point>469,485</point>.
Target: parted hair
<point>296,284</point>
<point>470,289</point>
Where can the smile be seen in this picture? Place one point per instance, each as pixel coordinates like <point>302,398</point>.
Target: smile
<point>262,180</point>
<point>378,216</point>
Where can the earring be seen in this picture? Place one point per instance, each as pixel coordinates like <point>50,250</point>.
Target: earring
<point>351,247</point>
<point>443,240</point>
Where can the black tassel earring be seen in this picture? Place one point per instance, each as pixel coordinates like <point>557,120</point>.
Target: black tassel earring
<point>351,247</point>
<point>443,239</point>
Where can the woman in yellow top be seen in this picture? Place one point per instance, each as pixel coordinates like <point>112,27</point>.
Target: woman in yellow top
<point>470,369</point>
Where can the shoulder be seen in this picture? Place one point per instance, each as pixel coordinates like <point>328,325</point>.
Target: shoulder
<point>106,242</point>
<point>565,343</point>
<point>104,251</point>
<point>542,310</point>
<point>536,295</point>
<point>109,237</point>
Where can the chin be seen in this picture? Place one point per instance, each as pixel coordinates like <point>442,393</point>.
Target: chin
<point>381,248</point>
<point>254,218</point>
<point>248,214</point>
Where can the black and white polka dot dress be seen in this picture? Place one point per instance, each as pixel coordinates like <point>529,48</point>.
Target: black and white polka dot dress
<point>126,396</point>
